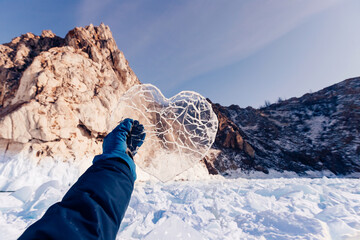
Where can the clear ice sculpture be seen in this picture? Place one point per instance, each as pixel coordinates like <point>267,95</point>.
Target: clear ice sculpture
<point>179,130</point>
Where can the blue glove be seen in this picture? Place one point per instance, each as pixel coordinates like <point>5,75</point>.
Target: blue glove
<point>123,143</point>
<point>136,139</point>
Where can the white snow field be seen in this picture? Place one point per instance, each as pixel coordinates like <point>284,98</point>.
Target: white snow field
<point>278,208</point>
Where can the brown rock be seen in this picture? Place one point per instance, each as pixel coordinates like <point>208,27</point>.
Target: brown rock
<point>229,134</point>
<point>232,150</point>
<point>56,95</point>
<point>249,150</point>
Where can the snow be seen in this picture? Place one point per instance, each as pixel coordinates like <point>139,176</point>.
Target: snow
<point>239,208</point>
<point>174,228</point>
<point>317,125</point>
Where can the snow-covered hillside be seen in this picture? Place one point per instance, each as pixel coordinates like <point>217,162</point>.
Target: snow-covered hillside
<point>319,131</point>
<point>277,208</point>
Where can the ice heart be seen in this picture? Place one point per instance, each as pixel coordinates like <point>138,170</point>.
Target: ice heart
<point>179,130</point>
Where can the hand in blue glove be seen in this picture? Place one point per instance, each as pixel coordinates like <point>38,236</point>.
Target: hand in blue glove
<point>136,139</point>
<point>123,142</point>
<point>115,142</point>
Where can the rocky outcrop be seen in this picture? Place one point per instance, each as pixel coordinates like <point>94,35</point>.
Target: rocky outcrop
<point>319,131</point>
<point>56,93</point>
<point>231,144</point>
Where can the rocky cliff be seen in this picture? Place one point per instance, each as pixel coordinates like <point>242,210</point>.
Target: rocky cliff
<point>318,131</point>
<point>55,93</point>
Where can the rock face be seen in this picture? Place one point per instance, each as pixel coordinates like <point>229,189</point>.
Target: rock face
<point>56,93</point>
<point>319,131</point>
<point>232,150</point>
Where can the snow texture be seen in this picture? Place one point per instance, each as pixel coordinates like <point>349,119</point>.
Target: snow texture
<point>278,208</point>
<point>179,130</point>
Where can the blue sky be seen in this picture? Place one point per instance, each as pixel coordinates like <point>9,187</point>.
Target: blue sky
<point>234,52</point>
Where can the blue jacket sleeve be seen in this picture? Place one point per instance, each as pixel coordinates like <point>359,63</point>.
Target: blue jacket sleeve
<point>93,207</point>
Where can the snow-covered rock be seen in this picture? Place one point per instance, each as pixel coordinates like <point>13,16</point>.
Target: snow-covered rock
<point>317,132</point>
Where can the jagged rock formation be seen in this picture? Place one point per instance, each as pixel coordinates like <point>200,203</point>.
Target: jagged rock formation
<point>231,149</point>
<point>319,131</point>
<point>56,93</point>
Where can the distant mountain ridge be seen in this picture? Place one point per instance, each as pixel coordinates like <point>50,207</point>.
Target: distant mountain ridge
<point>318,131</point>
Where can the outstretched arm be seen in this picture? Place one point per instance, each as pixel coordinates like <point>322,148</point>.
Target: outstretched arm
<point>95,205</point>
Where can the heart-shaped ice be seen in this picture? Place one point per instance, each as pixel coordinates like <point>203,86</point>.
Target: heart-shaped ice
<point>179,130</point>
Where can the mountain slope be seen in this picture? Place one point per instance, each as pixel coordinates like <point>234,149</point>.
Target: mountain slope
<point>318,131</point>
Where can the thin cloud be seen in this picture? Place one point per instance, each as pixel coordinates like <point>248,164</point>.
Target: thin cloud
<point>180,40</point>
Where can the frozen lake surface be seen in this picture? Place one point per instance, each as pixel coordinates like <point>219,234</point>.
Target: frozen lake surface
<point>241,208</point>
<point>279,208</point>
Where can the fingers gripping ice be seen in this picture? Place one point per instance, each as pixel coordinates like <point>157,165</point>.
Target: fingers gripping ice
<point>179,130</point>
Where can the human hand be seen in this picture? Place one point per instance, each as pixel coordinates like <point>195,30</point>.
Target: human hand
<point>116,141</point>
<point>136,138</point>
<point>127,138</point>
